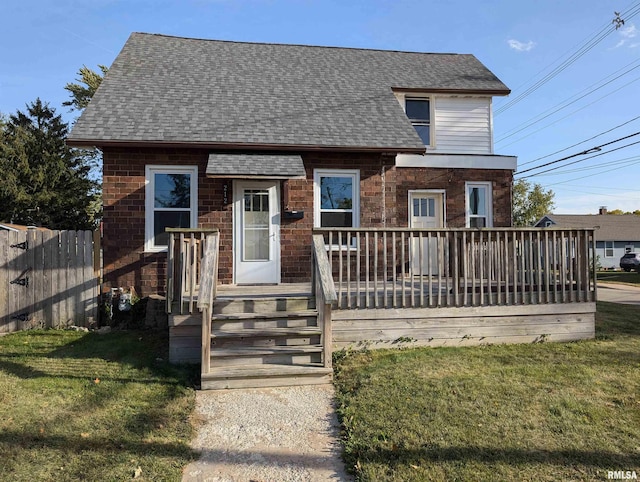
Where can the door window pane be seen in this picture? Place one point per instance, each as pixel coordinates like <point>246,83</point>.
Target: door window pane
<point>256,225</point>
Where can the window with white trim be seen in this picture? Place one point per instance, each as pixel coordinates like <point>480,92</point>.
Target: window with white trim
<point>608,249</point>
<point>336,198</point>
<point>479,205</point>
<point>171,201</point>
<point>418,110</point>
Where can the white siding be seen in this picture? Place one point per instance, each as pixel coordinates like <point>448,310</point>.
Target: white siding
<point>462,125</point>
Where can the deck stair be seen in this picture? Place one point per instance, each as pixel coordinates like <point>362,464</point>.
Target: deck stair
<point>265,341</point>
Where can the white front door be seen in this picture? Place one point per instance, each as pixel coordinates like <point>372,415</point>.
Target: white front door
<point>256,232</point>
<point>426,210</point>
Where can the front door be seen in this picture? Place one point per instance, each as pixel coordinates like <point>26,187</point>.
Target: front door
<point>256,232</point>
<point>426,210</point>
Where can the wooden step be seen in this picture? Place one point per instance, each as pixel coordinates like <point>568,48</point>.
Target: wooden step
<point>251,355</point>
<point>268,332</point>
<point>249,321</point>
<point>223,305</point>
<point>258,376</point>
<point>265,315</point>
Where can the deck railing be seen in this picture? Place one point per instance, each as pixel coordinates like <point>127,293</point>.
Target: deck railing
<point>207,294</point>
<point>397,268</point>
<point>184,258</point>
<point>324,290</point>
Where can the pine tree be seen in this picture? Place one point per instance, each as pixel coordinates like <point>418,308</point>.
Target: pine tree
<point>42,180</point>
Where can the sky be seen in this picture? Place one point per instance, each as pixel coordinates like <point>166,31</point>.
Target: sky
<point>575,79</point>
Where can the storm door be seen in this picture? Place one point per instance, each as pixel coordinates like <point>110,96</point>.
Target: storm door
<point>256,211</point>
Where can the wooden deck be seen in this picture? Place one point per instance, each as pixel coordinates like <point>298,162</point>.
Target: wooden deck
<point>374,289</point>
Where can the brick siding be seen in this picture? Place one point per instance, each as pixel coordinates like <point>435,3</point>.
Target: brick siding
<point>383,202</point>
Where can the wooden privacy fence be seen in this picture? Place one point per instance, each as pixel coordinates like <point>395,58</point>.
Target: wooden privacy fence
<point>48,279</point>
<point>399,268</point>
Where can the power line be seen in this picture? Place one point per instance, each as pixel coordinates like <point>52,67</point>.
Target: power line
<point>573,112</point>
<point>591,175</point>
<point>583,153</point>
<point>581,142</point>
<point>570,101</point>
<point>584,49</point>
<point>621,162</point>
<point>581,160</point>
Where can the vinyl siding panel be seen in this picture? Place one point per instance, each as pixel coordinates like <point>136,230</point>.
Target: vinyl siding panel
<point>462,125</point>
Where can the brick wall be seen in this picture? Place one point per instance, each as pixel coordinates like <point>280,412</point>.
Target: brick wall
<point>452,181</point>
<point>383,198</point>
<point>125,262</point>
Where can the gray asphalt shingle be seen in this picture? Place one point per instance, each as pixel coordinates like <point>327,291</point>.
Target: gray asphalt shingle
<point>609,227</point>
<point>267,165</point>
<point>165,89</point>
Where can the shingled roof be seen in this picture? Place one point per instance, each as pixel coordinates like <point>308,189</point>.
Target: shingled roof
<point>179,91</point>
<point>609,227</point>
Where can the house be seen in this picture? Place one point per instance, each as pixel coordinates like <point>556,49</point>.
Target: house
<point>315,136</point>
<point>616,234</point>
<point>236,173</point>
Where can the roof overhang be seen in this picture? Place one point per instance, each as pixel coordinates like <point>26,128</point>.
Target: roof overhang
<point>458,161</point>
<point>86,143</point>
<point>479,92</point>
<point>255,166</point>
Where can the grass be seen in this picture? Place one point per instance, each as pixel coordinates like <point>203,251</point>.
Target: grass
<point>631,278</point>
<point>82,406</point>
<point>566,411</point>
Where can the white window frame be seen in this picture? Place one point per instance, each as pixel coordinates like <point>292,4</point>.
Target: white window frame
<point>488,199</point>
<point>402,97</point>
<point>355,209</point>
<point>149,191</point>
<point>609,245</point>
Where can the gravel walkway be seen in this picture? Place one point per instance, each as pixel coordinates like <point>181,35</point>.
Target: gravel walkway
<point>270,434</point>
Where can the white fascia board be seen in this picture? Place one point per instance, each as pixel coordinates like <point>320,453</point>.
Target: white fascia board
<point>462,161</point>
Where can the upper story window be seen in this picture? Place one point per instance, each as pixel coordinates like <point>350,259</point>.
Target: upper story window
<point>418,111</point>
<point>479,205</point>
<point>170,202</point>
<point>336,198</point>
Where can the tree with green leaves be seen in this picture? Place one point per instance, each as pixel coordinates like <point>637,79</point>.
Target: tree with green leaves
<point>82,92</point>
<point>42,180</point>
<point>530,202</point>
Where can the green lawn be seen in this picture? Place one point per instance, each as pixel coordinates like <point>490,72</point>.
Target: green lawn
<point>81,406</point>
<point>548,411</point>
<point>631,278</point>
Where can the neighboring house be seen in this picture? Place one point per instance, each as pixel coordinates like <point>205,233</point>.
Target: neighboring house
<point>616,234</point>
<point>267,141</point>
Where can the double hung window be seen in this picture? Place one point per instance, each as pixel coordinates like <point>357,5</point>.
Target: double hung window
<point>478,205</point>
<point>336,198</point>
<point>170,201</point>
<point>418,111</point>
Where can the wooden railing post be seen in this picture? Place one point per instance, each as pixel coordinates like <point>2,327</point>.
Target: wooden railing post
<point>325,293</point>
<point>208,281</point>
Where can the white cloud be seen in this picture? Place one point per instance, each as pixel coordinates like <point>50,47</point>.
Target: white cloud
<point>521,46</point>
<point>626,34</point>
<point>629,32</point>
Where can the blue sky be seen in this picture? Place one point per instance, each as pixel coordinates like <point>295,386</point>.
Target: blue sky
<point>46,42</point>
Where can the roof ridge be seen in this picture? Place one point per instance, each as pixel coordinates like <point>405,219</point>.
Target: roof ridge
<point>334,47</point>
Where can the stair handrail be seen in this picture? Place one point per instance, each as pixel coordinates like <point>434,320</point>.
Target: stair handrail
<point>325,293</point>
<point>207,293</point>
